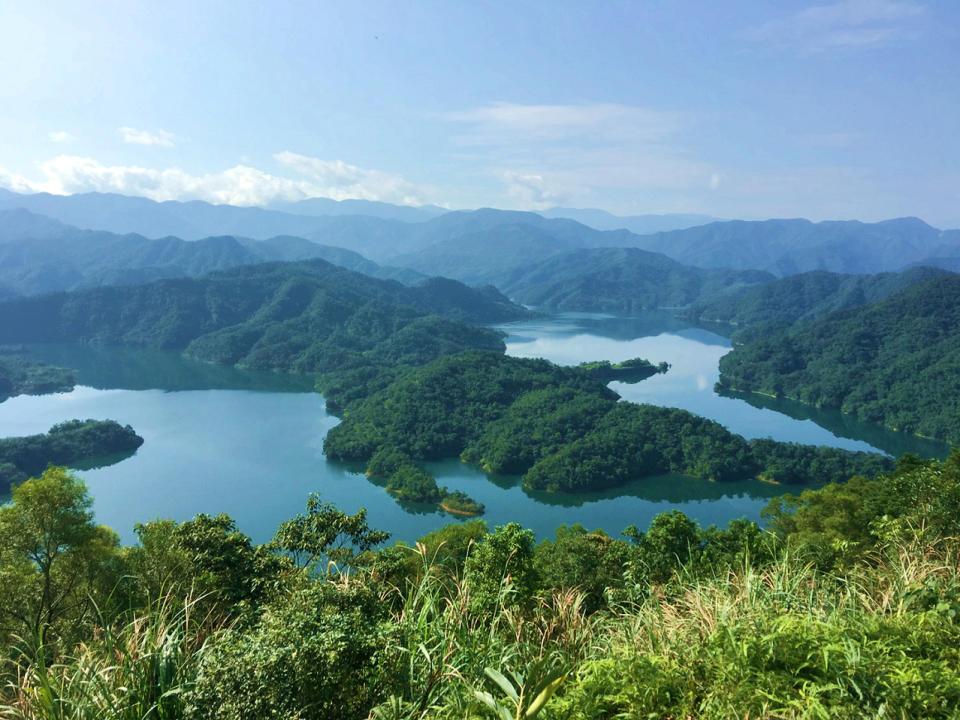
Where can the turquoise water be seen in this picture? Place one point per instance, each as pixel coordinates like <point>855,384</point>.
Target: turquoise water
<point>250,444</point>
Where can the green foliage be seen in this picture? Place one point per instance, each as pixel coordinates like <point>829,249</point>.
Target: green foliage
<point>684,622</point>
<point>459,503</point>
<point>896,362</point>
<point>66,443</point>
<point>838,523</point>
<point>53,557</point>
<point>225,564</point>
<point>633,441</point>
<point>500,570</point>
<point>22,376</point>
<point>414,485</point>
<point>794,464</point>
<point>433,412</point>
<point>538,424</point>
<point>524,694</point>
<point>326,534</point>
<point>591,562</point>
<point>321,653</point>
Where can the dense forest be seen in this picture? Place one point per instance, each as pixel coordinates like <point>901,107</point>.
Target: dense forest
<point>806,296</point>
<point>20,375</point>
<point>302,317</point>
<point>560,427</point>
<point>896,362</point>
<point>66,443</point>
<point>847,605</point>
<point>621,280</point>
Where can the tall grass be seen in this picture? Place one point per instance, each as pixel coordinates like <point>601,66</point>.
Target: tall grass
<point>136,670</point>
<point>784,640</point>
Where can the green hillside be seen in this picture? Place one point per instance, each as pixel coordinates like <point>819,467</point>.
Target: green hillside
<point>805,296</point>
<point>620,280</point>
<point>304,317</point>
<point>896,362</point>
<point>561,428</point>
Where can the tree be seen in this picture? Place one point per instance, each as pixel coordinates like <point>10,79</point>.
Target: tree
<point>326,533</point>
<point>51,552</point>
<point>500,569</point>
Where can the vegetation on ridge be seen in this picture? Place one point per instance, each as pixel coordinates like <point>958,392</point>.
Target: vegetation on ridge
<point>561,428</point>
<point>896,362</point>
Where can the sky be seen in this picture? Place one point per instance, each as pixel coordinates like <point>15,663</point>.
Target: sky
<point>737,109</point>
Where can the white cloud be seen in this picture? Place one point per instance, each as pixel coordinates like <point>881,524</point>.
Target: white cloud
<point>559,154</point>
<point>160,138</point>
<point>847,24</point>
<point>61,136</point>
<point>239,185</point>
<point>341,181</point>
<point>532,191</point>
<point>715,181</point>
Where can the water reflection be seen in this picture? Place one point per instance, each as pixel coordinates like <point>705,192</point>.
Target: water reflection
<point>107,367</point>
<point>694,354</point>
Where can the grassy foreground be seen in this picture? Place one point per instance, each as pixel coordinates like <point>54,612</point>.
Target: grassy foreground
<point>849,606</point>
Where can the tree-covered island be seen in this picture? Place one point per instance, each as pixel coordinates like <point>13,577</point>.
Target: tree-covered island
<point>21,375</point>
<point>66,443</point>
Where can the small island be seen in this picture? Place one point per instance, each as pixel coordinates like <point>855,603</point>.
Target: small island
<point>68,443</point>
<point>411,484</point>
<point>21,375</point>
<point>628,371</point>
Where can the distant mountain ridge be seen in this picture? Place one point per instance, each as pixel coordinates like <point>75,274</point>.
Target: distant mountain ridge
<point>789,247</point>
<point>489,245</point>
<point>639,224</point>
<point>39,254</point>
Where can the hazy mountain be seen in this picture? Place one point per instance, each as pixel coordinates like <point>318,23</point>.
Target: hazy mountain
<point>486,256</point>
<point>326,206</point>
<point>187,220</point>
<point>806,296</point>
<point>788,247</point>
<point>783,247</point>
<point>620,280</point>
<point>639,224</point>
<point>39,254</point>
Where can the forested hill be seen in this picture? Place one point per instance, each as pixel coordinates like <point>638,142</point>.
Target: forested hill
<point>620,280</point>
<point>805,297</point>
<point>788,247</point>
<point>561,428</point>
<point>40,255</point>
<point>896,362</point>
<point>308,317</point>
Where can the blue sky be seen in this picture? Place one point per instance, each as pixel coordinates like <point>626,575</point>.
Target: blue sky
<point>737,109</point>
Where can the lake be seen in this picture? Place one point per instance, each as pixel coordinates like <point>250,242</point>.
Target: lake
<point>250,444</point>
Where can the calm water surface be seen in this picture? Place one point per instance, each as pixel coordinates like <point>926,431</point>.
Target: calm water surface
<point>250,444</point>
